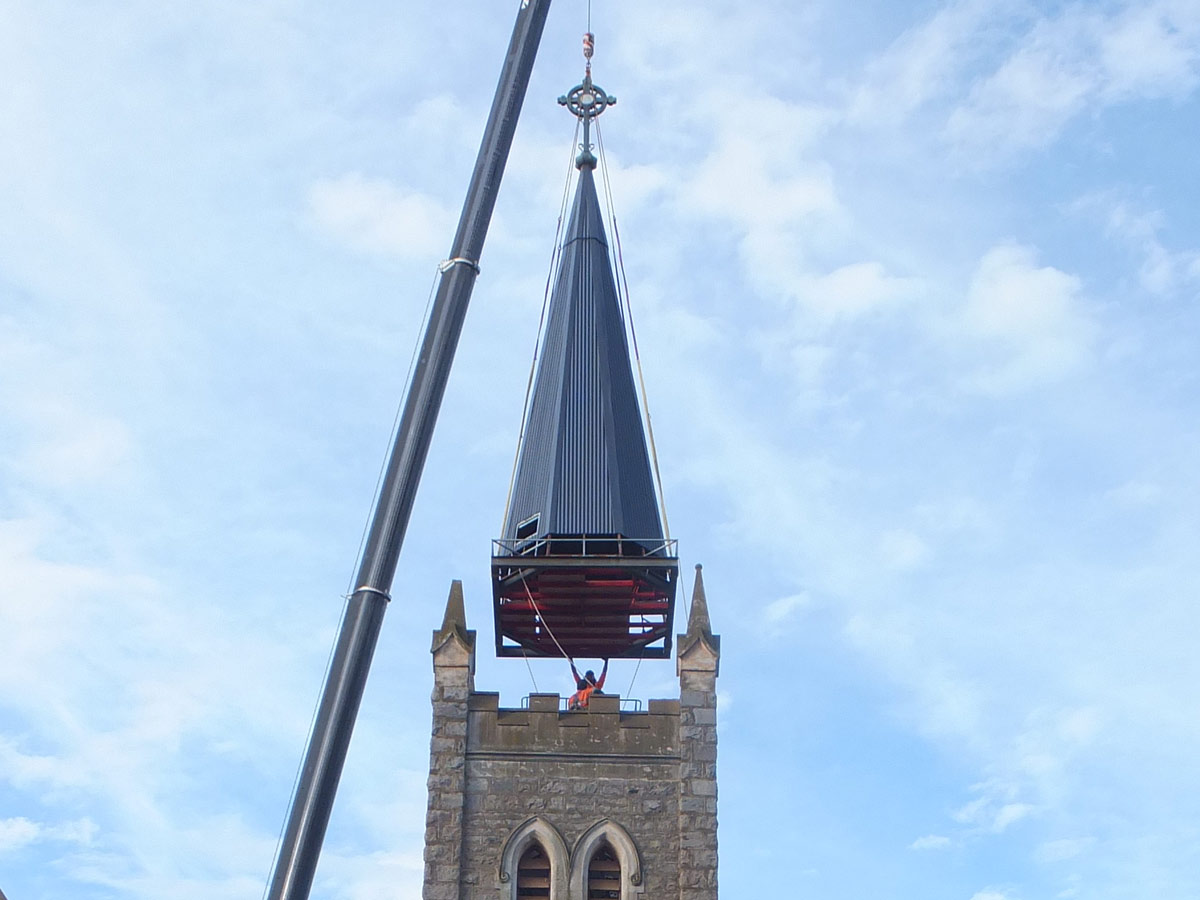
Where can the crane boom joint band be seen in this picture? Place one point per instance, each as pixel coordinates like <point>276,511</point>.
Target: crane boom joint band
<point>365,588</point>
<point>447,264</point>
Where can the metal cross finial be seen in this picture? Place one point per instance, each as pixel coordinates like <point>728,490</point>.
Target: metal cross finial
<point>586,101</point>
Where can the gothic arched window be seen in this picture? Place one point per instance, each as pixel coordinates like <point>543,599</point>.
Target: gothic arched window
<point>604,874</point>
<point>533,872</point>
<point>534,862</point>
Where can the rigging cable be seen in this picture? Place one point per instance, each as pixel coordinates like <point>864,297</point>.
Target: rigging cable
<point>623,290</point>
<point>542,619</point>
<point>687,607</point>
<point>412,362</point>
<point>637,668</point>
<point>525,654</point>
<point>311,726</point>
<point>555,255</point>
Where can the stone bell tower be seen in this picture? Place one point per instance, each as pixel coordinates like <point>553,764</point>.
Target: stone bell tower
<point>572,805</point>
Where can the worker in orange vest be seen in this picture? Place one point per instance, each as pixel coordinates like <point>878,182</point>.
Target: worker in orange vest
<point>585,686</point>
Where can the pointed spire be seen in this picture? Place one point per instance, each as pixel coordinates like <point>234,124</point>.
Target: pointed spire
<point>584,466</point>
<point>456,613</point>
<point>698,622</point>
<point>699,650</point>
<point>454,622</point>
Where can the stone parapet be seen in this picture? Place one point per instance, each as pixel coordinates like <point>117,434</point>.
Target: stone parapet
<point>601,729</point>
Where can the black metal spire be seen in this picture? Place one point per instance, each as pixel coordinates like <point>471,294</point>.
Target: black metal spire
<point>583,467</point>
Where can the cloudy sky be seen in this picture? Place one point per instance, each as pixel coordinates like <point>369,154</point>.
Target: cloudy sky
<point>916,290</point>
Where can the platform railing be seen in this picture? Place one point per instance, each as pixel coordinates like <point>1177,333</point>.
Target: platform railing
<point>601,545</point>
<point>628,704</point>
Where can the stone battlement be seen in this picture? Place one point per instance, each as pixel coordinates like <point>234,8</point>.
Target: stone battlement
<point>544,730</point>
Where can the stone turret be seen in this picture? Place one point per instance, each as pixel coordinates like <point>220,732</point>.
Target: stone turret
<point>698,662</point>
<point>453,682</point>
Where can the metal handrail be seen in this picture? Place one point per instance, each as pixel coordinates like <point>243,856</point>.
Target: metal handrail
<point>628,704</point>
<point>531,546</point>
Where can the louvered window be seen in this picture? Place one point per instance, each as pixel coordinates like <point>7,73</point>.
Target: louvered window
<point>604,875</point>
<point>533,873</point>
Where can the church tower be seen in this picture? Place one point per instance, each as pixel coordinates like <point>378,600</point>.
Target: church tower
<point>611,800</point>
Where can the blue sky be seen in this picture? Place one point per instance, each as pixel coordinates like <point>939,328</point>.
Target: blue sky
<point>915,286</point>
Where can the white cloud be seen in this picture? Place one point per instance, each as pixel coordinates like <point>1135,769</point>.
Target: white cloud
<point>760,178</point>
<point>931,842</point>
<point>1162,270</point>
<point>902,549</point>
<point>1135,493</point>
<point>784,608</point>
<point>139,686</point>
<point>373,215</point>
<point>383,875</point>
<point>1063,849</point>
<point>1052,738</point>
<point>805,363</point>
<point>1082,59</point>
<point>745,180</point>
<point>19,832</point>
<point>1009,814</point>
<point>991,894</point>
<point>851,290</point>
<point>1151,49</point>
<point>922,64</point>
<point>947,705</point>
<point>16,833</point>
<point>957,514</point>
<point>994,809</point>
<point>61,436</point>
<point>1031,318</point>
<point>1023,103</point>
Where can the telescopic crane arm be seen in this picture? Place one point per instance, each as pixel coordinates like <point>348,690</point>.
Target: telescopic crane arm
<point>308,816</point>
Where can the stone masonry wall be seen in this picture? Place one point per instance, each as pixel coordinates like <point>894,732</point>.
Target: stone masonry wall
<point>698,786</point>
<point>452,684</point>
<point>574,769</point>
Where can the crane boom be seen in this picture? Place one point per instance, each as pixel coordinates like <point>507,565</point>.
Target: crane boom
<point>308,816</point>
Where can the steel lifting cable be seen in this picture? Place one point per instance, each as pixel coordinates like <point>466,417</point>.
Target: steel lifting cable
<point>623,289</point>
<point>311,725</point>
<point>412,361</point>
<point>555,255</point>
<point>525,654</point>
<point>395,421</point>
<point>637,668</point>
<point>549,630</point>
<point>687,607</point>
